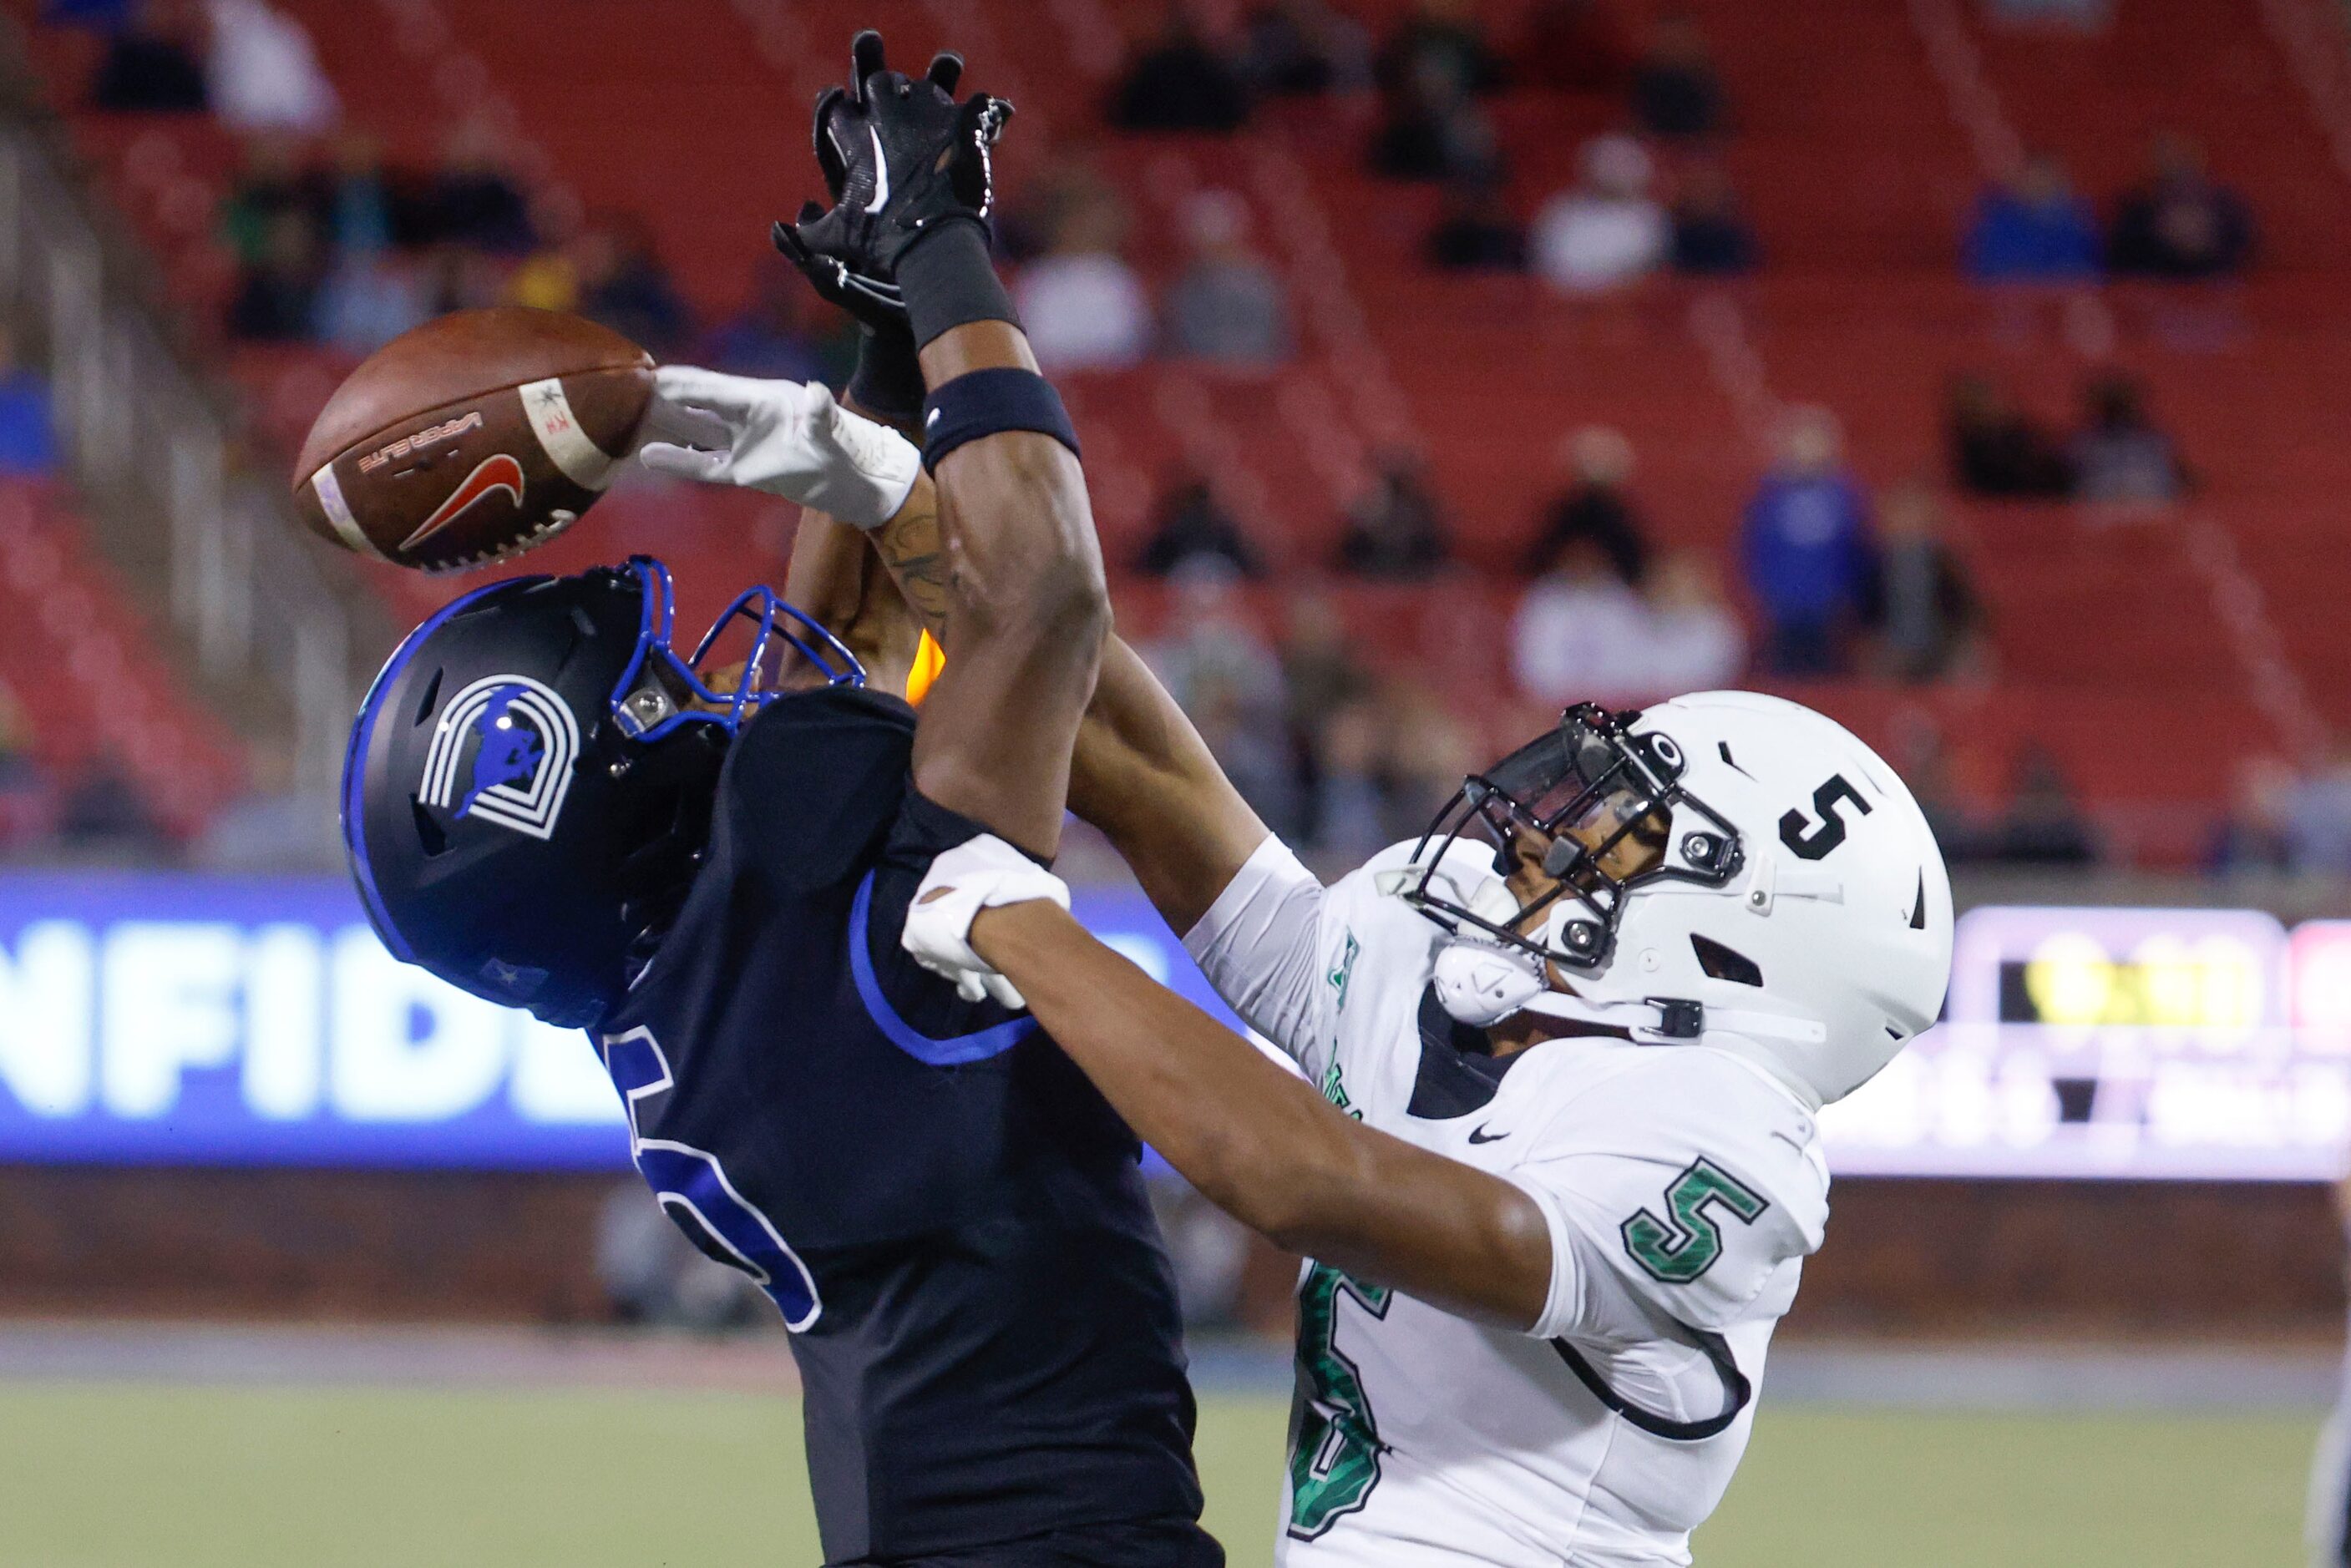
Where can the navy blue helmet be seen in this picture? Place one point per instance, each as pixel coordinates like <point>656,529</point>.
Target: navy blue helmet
<point>529,782</point>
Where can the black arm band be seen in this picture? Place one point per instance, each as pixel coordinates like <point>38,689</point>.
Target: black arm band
<point>888,380</point>
<point>989,402</point>
<point>948,281</point>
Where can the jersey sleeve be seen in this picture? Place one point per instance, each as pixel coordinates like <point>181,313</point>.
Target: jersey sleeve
<point>1678,1191</point>
<point>1260,947</point>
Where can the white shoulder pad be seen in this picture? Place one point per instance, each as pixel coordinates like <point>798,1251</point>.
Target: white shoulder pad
<point>1689,1172</point>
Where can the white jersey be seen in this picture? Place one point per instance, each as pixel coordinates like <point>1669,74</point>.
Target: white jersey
<point>1683,1188</point>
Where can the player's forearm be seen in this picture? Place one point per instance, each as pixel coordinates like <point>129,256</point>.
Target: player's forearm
<point>841,584</point>
<point>1145,777</point>
<point>1016,531</point>
<point>1260,1143</point>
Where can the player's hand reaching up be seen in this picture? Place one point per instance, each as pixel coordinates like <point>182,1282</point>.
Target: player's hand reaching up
<point>780,437</point>
<point>900,158</point>
<point>982,873</point>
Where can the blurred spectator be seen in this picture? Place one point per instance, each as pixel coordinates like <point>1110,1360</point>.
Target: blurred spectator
<point>366,300</point>
<point>2319,817</point>
<point>1806,548</point>
<point>475,196</point>
<point>1675,92</point>
<point>1293,48</point>
<point>1929,616</point>
<point>2181,224</point>
<point>1429,129</point>
<point>2033,228</point>
<point>1394,530</point>
<point>1428,754</point>
<point>28,809</point>
<point>270,185</point>
<point>1191,525</point>
<point>1594,508</point>
<point>1221,673</point>
<point>2120,458</point>
<point>1443,37</point>
<point>152,65</point>
<point>2043,825</point>
<point>1350,810</point>
<point>1696,641</point>
<point>17,764</point>
<point>548,277</point>
<point>356,199</point>
<point>2257,835</point>
<point>1477,233</point>
<point>1582,634</point>
<point>1180,83</point>
<point>1574,46</point>
<point>1606,232</point>
<point>28,436</point>
<point>769,338</point>
<point>458,277</point>
<point>263,73</point>
<point>1227,303</point>
<point>104,815</point>
<point>1951,783</point>
<point>1712,237</point>
<point>1996,449</point>
<point>1032,218</point>
<point>1082,304</point>
<point>1321,670</point>
<point>273,827</point>
<point>277,296</point>
<point>2082,15</point>
<point>624,285</point>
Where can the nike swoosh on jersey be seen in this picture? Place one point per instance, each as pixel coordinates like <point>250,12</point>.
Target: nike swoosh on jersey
<point>1482,1136</point>
<point>493,472</point>
<point>880,173</point>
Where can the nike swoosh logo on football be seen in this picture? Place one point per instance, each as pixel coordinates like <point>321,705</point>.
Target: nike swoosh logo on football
<point>880,173</point>
<point>1482,1135</point>
<point>493,472</point>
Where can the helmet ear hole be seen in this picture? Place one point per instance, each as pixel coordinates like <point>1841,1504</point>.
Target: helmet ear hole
<point>429,832</point>
<point>1720,963</point>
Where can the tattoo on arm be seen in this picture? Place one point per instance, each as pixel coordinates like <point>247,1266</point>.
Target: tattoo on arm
<point>914,550</point>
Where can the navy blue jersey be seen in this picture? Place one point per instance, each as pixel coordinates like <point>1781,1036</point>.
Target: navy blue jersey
<point>950,1217</point>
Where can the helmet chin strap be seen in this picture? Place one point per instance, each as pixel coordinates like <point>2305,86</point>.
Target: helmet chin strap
<point>1481,983</point>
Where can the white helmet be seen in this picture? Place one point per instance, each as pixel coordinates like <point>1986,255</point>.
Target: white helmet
<point>1725,868</point>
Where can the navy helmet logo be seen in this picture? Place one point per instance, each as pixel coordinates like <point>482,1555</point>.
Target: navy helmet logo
<point>514,742</point>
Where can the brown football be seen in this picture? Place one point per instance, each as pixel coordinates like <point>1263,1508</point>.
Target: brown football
<point>476,435</point>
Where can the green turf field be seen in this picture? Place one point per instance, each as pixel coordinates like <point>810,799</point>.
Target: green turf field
<point>94,1474</point>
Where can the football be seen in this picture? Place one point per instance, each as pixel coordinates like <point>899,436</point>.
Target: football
<point>473,437</point>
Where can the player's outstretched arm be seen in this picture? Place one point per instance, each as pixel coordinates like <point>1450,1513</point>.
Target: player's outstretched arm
<point>1027,608</point>
<point>1258,1142</point>
<point>905,245</point>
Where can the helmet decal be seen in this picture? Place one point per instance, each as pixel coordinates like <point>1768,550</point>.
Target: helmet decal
<point>524,741</point>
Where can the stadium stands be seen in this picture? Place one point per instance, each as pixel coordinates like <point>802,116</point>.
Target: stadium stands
<point>1861,132</point>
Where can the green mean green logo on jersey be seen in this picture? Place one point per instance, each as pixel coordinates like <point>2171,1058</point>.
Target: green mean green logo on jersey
<point>1335,1090</point>
<point>1345,971</point>
<point>1335,1443</point>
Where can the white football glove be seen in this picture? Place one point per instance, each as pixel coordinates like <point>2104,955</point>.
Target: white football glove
<point>982,873</point>
<point>780,437</point>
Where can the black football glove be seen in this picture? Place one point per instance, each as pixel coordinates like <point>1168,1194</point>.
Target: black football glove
<point>900,156</point>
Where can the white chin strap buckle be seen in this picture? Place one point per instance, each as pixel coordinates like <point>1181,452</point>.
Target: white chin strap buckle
<point>1481,983</point>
